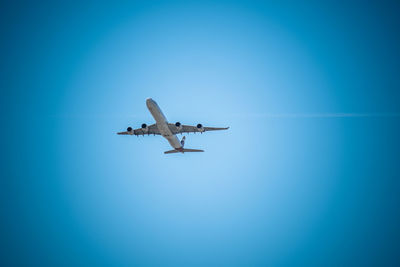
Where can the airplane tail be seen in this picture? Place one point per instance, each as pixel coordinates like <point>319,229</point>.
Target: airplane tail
<point>183,150</point>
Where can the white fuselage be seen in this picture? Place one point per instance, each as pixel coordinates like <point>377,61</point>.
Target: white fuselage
<point>162,123</point>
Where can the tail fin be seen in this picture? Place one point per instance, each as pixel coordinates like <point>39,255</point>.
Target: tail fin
<point>183,150</point>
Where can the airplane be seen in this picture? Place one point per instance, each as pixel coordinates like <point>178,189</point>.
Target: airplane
<point>168,130</point>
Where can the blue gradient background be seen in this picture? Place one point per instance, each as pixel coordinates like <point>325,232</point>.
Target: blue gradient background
<point>308,174</point>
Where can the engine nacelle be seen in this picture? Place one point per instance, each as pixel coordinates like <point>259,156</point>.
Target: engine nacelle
<point>145,128</point>
<point>200,127</point>
<point>129,131</point>
<point>178,126</point>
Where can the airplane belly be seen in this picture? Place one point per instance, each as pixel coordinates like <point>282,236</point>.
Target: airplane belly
<point>157,115</point>
<point>167,134</point>
<point>174,141</point>
<point>162,123</point>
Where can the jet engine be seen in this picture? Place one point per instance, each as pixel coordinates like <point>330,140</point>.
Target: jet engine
<point>129,129</point>
<point>200,127</point>
<point>178,126</point>
<point>145,128</point>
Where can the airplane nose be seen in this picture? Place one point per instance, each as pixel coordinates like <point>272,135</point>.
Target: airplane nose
<point>149,102</point>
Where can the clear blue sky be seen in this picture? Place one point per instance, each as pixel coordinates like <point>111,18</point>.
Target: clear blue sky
<point>307,175</point>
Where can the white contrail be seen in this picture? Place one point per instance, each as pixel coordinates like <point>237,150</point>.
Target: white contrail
<point>320,115</point>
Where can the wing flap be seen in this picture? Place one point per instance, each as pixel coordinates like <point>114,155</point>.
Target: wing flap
<point>125,133</point>
<point>193,129</point>
<point>152,129</point>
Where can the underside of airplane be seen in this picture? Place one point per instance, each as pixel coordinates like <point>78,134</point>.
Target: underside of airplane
<point>168,130</point>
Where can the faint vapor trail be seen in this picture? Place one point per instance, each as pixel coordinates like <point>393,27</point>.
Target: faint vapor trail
<point>321,115</point>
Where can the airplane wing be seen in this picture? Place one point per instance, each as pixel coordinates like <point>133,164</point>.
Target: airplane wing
<point>151,129</point>
<point>193,129</point>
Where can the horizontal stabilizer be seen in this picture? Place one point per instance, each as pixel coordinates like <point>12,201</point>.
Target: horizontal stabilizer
<point>192,150</point>
<point>183,150</point>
